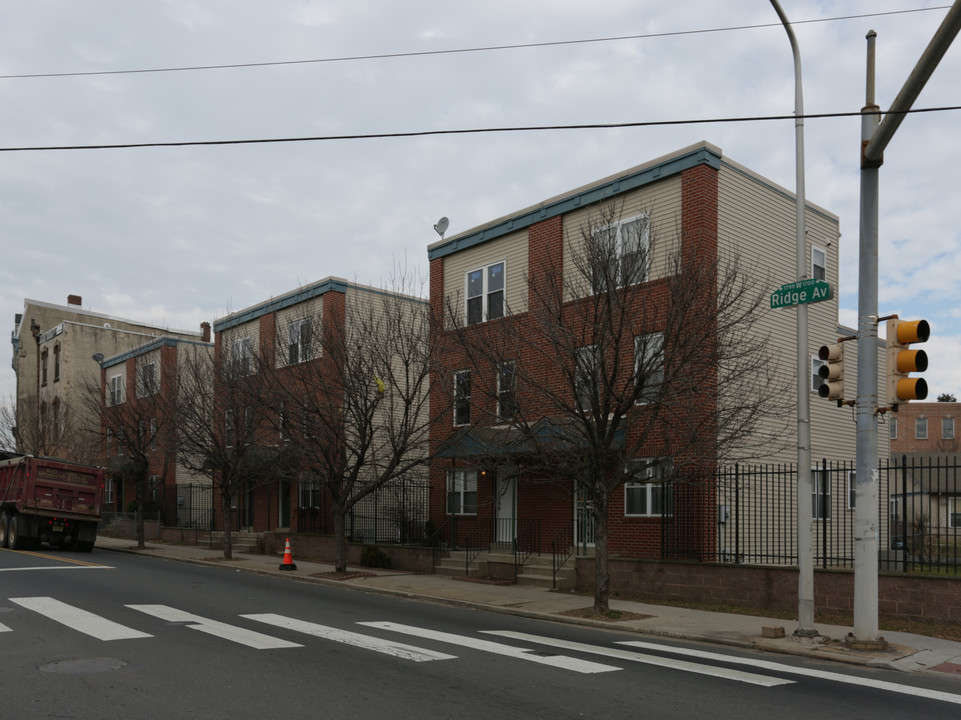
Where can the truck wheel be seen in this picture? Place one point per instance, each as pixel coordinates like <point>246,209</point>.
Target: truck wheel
<point>4,526</point>
<point>14,542</point>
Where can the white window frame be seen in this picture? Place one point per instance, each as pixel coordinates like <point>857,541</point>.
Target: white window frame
<point>241,356</point>
<point>153,483</point>
<point>462,400</point>
<point>820,493</point>
<point>586,366</point>
<point>461,484</point>
<point>108,490</point>
<point>642,253</point>
<point>146,379</point>
<point>823,275</point>
<point>298,341</point>
<point>115,392</point>
<point>947,428</point>
<point>486,293</point>
<point>308,491</point>
<point>954,511</point>
<point>507,390</point>
<point>649,364</point>
<point>654,494</point>
<point>894,428</point>
<point>921,428</point>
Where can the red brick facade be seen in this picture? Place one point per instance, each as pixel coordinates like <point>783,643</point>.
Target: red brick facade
<point>925,428</point>
<point>552,503</point>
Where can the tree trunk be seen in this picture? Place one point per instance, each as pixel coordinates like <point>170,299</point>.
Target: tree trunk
<point>340,537</point>
<point>602,575</point>
<point>141,501</point>
<point>228,524</point>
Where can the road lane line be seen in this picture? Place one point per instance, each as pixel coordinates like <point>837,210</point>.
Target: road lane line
<point>79,620</point>
<point>59,567</point>
<point>725,673</point>
<point>558,661</point>
<point>388,647</point>
<point>252,639</point>
<point>84,563</point>
<point>805,672</point>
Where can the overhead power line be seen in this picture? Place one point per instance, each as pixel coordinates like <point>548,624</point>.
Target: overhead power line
<point>454,51</point>
<point>463,131</point>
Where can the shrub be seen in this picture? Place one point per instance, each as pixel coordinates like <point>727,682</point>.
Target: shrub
<point>373,556</point>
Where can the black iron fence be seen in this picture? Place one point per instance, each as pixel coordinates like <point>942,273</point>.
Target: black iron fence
<point>397,513</point>
<point>189,506</point>
<point>755,515</point>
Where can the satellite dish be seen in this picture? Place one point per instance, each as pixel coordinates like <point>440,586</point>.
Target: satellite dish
<point>97,357</point>
<point>441,227</point>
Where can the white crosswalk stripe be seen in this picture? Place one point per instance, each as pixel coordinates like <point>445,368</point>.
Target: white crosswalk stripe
<point>388,647</point>
<point>4,628</point>
<point>79,620</point>
<point>557,661</point>
<point>721,672</point>
<point>250,638</point>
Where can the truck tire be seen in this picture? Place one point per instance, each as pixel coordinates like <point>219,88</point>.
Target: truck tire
<point>13,528</point>
<point>4,525</point>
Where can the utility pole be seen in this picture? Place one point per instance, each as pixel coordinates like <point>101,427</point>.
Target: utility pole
<point>875,136</point>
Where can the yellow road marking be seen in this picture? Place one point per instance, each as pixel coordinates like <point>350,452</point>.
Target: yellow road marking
<point>54,557</point>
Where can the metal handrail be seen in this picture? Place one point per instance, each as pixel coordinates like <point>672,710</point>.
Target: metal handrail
<point>485,533</point>
<point>563,539</point>
<point>527,542</point>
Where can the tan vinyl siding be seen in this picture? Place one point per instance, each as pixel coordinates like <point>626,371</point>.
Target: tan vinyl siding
<point>661,201</point>
<point>756,222</point>
<point>512,250</point>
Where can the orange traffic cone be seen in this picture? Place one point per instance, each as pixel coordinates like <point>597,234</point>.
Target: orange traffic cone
<point>288,563</point>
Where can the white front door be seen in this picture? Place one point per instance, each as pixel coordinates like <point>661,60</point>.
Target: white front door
<point>506,507</point>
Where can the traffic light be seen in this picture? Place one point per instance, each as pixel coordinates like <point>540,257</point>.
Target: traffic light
<point>832,372</point>
<point>903,360</point>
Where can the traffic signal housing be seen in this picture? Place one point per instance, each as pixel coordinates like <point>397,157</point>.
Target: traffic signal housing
<point>903,359</point>
<point>831,372</point>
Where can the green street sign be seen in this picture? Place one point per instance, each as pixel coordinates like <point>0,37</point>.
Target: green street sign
<point>800,293</point>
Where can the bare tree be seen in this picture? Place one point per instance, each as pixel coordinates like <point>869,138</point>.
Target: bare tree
<point>628,364</point>
<point>222,425</point>
<point>52,429</point>
<point>350,394</point>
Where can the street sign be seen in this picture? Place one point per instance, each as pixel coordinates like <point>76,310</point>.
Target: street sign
<point>801,293</point>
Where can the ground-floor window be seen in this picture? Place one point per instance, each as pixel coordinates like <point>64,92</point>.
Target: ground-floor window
<point>650,493</point>
<point>461,492</point>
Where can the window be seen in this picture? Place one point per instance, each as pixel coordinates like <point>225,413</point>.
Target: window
<point>108,491</point>
<point>894,428</point>
<point>461,492</point>
<point>627,243</point>
<point>43,367</point>
<point>954,511</point>
<point>229,429</point>
<point>115,392</point>
<point>648,365</point>
<point>507,390</point>
<point>485,293</point>
<point>298,342</point>
<point>153,433</point>
<point>947,428</point>
<point>821,494</point>
<point>651,494</point>
<point>154,485</point>
<point>308,491</point>
<point>816,380</point>
<point>585,376</point>
<point>921,429</point>
<point>56,362</point>
<point>852,489</point>
<point>819,264</point>
<point>462,397</point>
<point>147,379</point>
<point>241,357</point>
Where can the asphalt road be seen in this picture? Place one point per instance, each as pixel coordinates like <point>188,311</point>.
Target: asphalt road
<point>111,635</point>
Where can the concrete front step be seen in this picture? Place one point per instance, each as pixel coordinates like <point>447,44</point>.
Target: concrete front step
<point>536,571</point>
<point>240,542</point>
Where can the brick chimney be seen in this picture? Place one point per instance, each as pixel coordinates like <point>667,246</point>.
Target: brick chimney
<point>205,331</point>
<point>74,300</point>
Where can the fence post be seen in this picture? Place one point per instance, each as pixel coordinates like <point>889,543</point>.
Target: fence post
<point>737,514</point>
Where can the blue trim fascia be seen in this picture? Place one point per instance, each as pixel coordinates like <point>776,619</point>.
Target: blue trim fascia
<point>597,193</point>
<point>302,295</point>
<point>150,347</point>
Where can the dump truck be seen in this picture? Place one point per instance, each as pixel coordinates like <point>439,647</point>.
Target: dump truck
<point>49,500</point>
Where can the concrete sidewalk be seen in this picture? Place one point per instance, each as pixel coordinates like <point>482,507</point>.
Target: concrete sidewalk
<point>907,652</point>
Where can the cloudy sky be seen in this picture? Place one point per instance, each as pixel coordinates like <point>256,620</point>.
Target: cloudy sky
<point>179,235</point>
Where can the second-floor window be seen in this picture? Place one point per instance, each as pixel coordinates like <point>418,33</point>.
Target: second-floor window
<point>147,379</point>
<point>298,341</point>
<point>947,428</point>
<point>230,429</point>
<point>485,293</point>
<point>921,429</point>
<point>585,376</point>
<point>241,357</point>
<point>507,390</point>
<point>56,363</point>
<point>819,264</point>
<point>462,391</point>
<point>115,393</point>
<point>648,365</point>
<point>43,368</point>
<point>894,428</point>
